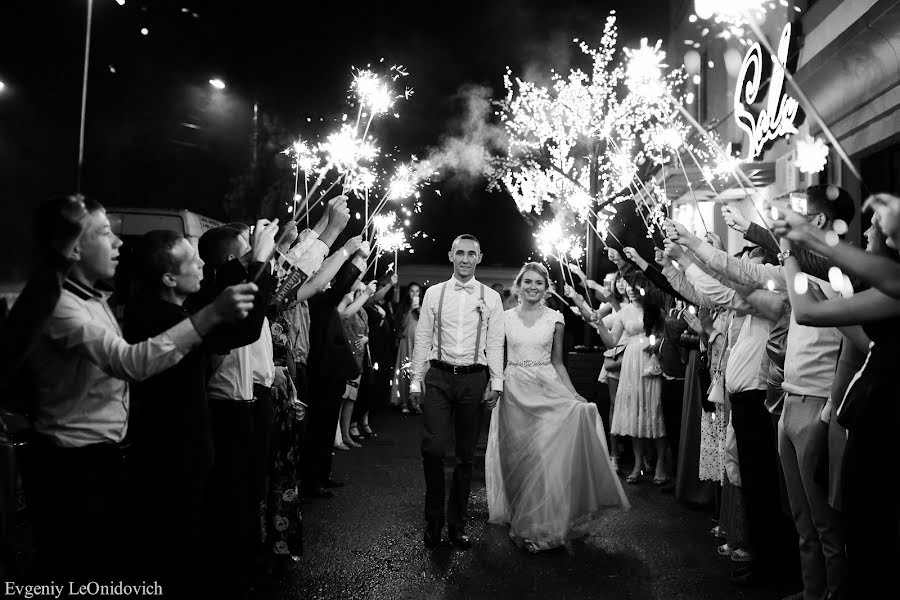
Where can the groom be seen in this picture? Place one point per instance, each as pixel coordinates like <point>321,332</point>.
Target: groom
<point>460,333</point>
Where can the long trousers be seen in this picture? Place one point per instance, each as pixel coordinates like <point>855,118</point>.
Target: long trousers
<point>802,444</point>
<point>321,421</point>
<point>233,513</point>
<point>771,531</point>
<point>452,405</point>
<point>77,501</point>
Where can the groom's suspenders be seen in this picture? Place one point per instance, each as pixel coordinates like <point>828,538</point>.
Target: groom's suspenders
<point>478,335</point>
<point>440,325</point>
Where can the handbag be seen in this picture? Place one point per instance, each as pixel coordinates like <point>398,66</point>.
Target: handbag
<point>652,368</point>
<point>716,391</point>
<point>612,359</point>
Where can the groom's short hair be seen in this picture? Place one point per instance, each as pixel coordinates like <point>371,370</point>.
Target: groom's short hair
<point>466,236</point>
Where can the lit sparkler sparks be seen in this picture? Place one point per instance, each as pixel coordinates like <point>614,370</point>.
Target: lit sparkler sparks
<point>812,155</point>
<point>403,183</point>
<point>732,12</point>
<point>644,73</point>
<point>345,150</point>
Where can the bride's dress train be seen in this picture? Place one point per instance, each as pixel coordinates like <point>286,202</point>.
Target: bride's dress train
<point>547,465</point>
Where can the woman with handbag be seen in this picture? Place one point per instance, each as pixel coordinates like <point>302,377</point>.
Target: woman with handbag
<point>612,358</point>
<point>637,412</point>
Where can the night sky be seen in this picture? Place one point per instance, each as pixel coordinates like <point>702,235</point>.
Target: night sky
<point>294,59</point>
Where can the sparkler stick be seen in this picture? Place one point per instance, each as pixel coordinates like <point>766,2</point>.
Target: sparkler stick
<point>321,196</point>
<point>296,183</point>
<point>691,188</point>
<point>396,261</point>
<point>303,203</point>
<point>586,288</point>
<point>734,171</point>
<point>305,193</point>
<point>366,230</point>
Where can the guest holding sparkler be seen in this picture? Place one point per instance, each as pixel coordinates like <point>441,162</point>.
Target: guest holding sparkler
<point>355,323</point>
<point>408,319</point>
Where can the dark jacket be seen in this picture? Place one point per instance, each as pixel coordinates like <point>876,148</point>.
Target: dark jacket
<point>330,355</point>
<point>168,423</point>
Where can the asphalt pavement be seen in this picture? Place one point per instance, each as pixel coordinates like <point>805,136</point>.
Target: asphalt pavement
<point>367,542</point>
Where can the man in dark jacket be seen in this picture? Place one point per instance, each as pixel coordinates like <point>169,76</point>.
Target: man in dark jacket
<point>170,431</point>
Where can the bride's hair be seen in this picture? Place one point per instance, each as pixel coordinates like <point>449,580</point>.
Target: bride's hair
<point>530,266</point>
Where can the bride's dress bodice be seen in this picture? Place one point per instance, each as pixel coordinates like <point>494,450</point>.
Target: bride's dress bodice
<point>530,345</point>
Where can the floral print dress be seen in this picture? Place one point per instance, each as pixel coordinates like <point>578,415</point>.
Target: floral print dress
<point>282,519</point>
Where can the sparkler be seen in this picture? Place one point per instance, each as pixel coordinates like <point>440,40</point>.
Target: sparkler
<point>812,155</point>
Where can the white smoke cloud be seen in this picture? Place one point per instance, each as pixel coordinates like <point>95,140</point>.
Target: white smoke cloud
<point>464,151</point>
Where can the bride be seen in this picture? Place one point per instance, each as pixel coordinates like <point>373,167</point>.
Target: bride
<point>547,468</point>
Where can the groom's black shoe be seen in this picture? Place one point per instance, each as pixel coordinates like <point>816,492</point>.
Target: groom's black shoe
<point>459,538</point>
<point>432,536</point>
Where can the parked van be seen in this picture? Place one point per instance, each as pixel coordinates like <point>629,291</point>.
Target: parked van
<point>128,223</point>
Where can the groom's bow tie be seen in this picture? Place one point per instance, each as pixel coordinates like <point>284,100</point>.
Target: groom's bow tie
<point>467,287</point>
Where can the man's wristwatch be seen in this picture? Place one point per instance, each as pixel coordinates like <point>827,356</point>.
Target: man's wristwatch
<point>783,256</point>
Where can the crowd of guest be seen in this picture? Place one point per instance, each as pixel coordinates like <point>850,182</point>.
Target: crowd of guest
<point>180,422</point>
<point>762,378</point>
<point>180,419</point>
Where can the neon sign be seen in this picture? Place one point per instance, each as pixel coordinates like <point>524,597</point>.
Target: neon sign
<point>781,114</point>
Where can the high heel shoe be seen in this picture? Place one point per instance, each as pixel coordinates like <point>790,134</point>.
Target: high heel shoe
<point>367,432</point>
<point>353,443</point>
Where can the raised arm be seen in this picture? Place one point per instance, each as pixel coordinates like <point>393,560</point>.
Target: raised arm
<point>741,271</point>
<point>70,331</point>
<point>865,307</point>
<point>354,307</point>
<point>878,271</point>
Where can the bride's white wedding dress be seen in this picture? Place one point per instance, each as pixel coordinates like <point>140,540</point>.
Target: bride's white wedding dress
<point>547,467</point>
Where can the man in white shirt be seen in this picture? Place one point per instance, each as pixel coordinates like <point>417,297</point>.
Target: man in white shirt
<point>81,368</point>
<point>460,332</point>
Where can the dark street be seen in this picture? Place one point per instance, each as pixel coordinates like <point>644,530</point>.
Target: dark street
<point>367,542</point>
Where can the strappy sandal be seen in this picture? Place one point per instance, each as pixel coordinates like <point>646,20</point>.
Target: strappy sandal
<point>367,431</point>
<point>633,479</point>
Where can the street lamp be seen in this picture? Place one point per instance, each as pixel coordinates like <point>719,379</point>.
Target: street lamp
<point>217,83</point>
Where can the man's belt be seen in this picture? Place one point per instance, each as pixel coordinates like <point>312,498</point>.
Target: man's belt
<point>458,369</point>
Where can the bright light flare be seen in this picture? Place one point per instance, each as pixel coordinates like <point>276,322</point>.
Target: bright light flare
<point>668,137</point>
<point>403,183</point>
<point>345,150</point>
<point>373,92</point>
<point>549,236</point>
<point>580,202</point>
<point>384,222</point>
<point>812,155</point>
<point>836,279</point>
<point>644,71</point>
<point>732,12</point>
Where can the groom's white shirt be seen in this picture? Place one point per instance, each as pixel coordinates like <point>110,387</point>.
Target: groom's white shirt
<point>460,328</point>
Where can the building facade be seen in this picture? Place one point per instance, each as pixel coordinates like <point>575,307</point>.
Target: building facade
<point>844,55</point>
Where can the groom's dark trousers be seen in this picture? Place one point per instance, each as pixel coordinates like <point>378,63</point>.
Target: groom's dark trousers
<point>452,402</point>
